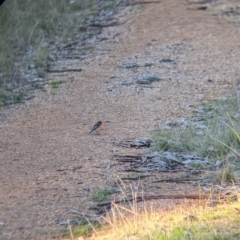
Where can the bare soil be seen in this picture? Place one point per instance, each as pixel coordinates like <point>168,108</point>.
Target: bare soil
<point>50,164</point>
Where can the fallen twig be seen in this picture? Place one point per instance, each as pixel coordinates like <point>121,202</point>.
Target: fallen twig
<point>183,180</point>
<point>99,25</point>
<point>135,177</point>
<point>145,2</point>
<point>198,2</point>
<point>137,143</point>
<point>165,196</point>
<point>90,217</point>
<point>99,140</point>
<point>64,70</point>
<point>128,158</point>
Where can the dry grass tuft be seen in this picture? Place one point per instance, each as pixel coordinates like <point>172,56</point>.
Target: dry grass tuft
<point>185,221</point>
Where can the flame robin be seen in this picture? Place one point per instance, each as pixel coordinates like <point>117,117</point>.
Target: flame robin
<point>97,127</point>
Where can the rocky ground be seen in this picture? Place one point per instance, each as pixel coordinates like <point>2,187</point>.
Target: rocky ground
<point>161,58</point>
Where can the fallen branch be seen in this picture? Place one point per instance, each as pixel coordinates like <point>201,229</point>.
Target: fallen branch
<point>100,140</point>
<point>145,2</point>
<point>198,8</point>
<point>128,158</point>
<point>64,70</point>
<point>99,25</point>
<point>183,180</point>
<point>166,196</point>
<point>90,217</point>
<point>134,177</point>
<point>198,2</point>
<point>137,143</point>
<point>132,170</point>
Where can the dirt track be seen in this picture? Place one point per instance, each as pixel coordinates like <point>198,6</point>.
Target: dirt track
<point>48,159</point>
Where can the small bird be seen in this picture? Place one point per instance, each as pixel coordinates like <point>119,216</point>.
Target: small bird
<point>97,127</point>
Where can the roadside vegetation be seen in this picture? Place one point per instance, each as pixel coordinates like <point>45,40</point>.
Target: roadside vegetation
<point>198,220</point>
<point>29,29</point>
<point>212,132</point>
<point>186,221</point>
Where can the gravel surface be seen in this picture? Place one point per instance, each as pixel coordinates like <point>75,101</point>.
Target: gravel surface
<point>49,162</point>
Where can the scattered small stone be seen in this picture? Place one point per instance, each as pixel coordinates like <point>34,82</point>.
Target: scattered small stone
<point>219,164</point>
<point>195,172</point>
<point>181,122</point>
<point>31,65</point>
<point>148,80</point>
<point>211,148</point>
<point>37,79</point>
<point>135,188</point>
<point>189,105</point>
<point>171,157</point>
<point>127,83</point>
<point>205,189</point>
<point>166,60</point>
<point>148,64</point>
<point>114,150</point>
<point>5,234</point>
<point>61,169</point>
<point>160,163</point>
<point>87,189</point>
<point>137,143</point>
<point>237,115</point>
<point>129,65</point>
<point>1,224</point>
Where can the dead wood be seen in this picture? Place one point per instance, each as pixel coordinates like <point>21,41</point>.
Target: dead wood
<point>100,25</point>
<point>90,217</point>
<point>68,45</point>
<point>199,2</point>
<point>179,180</point>
<point>203,8</point>
<point>100,140</point>
<point>166,196</point>
<point>128,158</point>
<point>145,2</point>
<point>73,56</point>
<point>137,143</point>
<point>132,170</point>
<point>64,70</point>
<point>134,177</point>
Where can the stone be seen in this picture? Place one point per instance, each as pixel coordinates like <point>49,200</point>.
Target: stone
<point>129,65</point>
<point>148,79</point>
<point>31,65</point>
<point>166,60</point>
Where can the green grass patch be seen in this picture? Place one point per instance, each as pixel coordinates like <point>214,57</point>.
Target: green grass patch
<point>7,97</point>
<point>2,98</point>
<point>198,135</point>
<point>56,84</point>
<point>85,230</point>
<point>103,195</point>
